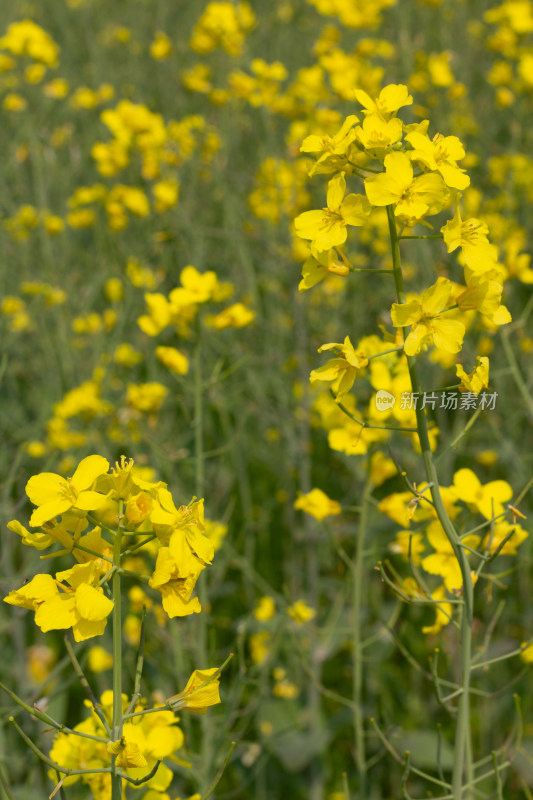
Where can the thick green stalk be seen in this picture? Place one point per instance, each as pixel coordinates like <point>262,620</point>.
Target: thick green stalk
<point>358,580</point>
<point>462,754</point>
<point>199,472</point>
<point>116,780</point>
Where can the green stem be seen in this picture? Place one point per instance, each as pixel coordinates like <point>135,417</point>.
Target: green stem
<point>427,236</point>
<point>358,685</point>
<point>199,458</point>
<point>116,780</point>
<point>462,756</point>
<point>515,371</point>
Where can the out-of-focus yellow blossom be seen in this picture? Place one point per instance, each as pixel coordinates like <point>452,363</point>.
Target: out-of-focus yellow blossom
<point>113,290</point>
<point>476,380</point>
<point>81,218</point>
<point>342,371</point>
<point>279,189</point>
<point>265,609</point>
<point>443,612</point>
<point>34,73</point>
<point>161,46</point>
<point>527,653</point>
<point>222,24</point>
<point>15,309</point>
<point>353,14</point>
<point>487,499</point>
<point>317,504</point>
<point>285,689</point>
<point>425,317</point>
<point>197,78</point>
<point>146,397</point>
<point>165,194</point>
<point>439,69</point>
<point>41,660</point>
<point>501,531</point>
<point>260,646</point>
<point>236,316</point>
<point>99,659</point>
<point>215,532</point>
<point>173,360</point>
<point>408,544</point>
<point>141,276</point>
<point>26,38</point>
<point>35,448</point>
<point>56,89</point>
<point>300,612</point>
<point>444,562</point>
<point>85,97</point>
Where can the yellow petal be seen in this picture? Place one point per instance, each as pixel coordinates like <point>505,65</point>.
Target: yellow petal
<point>88,501</point>
<point>89,469</point>
<point>436,297</point>
<point>91,603</point>
<point>43,487</point>
<point>48,511</point>
<point>86,629</point>
<point>58,613</point>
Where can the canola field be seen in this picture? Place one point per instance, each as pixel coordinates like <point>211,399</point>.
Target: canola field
<point>266,400</point>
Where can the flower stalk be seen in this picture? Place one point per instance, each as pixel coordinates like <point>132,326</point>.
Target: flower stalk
<point>462,749</point>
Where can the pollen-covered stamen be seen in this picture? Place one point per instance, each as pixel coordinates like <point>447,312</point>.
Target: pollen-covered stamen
<point>68,490</point>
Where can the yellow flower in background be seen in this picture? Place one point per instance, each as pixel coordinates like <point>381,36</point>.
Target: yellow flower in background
<point>300,612</point>
<point>99,659</point>
<point>146,398</point>
<point>317,504</point>
<point>443,612</point>
<point>488,499</point>
<point>428,325</point>
<point>478,379</point>
<point>161,46</point>
<point>444,562</point>
<point>500,532</point>
<point>236,316</point>
<point>327,228</point>
<point>412,197</point>
<point>341,372</point>
<point>54,495</point>
<point>408,544</point>
<point>265,609</point>
<point>173,359</point>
